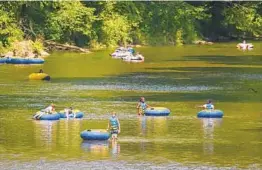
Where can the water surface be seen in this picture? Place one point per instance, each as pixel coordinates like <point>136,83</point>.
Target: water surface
<point>175,77</point>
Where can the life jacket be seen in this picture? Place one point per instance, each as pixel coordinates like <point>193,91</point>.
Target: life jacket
<point>209,106</point>
<point>143,106</point>
<point>113,123</point>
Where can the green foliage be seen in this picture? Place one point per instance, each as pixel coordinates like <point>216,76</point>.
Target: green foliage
<point>179,39</point>
<point>115,28</point>
<point>70,22</point>
<point>244,18</point>
<point>9,30</point>
<point>37,46</point>
<point>95,45</point>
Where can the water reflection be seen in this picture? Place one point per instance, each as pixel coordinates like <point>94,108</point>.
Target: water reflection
<point>156,126</point>
<point>99,148</point>
<point>45,133</point>
<point>142,129</point>
<point>151,127</point>
<point>209,125</point>
<point>115,148</point>
<point>67,130</point>
<point>142,125</point>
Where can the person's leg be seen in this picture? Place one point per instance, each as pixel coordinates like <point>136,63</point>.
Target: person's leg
<point>38,115</point>
<point>67,114</point>
<point>114,136</point>
<point>140,112</point>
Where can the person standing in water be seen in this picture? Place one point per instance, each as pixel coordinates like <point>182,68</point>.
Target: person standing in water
<point>114,126</point>
<point>208,106</point>
<point>141,106</point>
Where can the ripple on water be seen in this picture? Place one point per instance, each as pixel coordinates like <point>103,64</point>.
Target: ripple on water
<point>250,76</point>
<point>145,88</point>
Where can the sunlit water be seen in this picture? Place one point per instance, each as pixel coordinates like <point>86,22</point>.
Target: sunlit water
<point>174,77</point>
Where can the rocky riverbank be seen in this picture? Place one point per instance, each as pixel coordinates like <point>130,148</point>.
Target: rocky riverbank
<point>26,49</point>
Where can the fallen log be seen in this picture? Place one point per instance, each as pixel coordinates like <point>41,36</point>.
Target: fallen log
<point>51,45</point>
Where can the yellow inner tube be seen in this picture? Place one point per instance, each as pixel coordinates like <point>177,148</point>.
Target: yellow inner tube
<point>74,111</point>
<point>98,130</point>
<point>156,108</point>
<point>37,76</point>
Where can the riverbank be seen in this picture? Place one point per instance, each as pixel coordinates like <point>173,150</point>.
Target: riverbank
<point>29,49</point>
<point>25,49</point>
<point>55,46</point>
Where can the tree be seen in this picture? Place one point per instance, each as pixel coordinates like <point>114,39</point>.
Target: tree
<point>70,22</point>
<point>115,28</point>
<point>9,30</point>
<point>244,18</point>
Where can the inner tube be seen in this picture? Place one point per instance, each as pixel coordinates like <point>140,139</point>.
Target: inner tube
<point>95,135</point>
<point>45,116</point>
<point>2,60</point>
<point>157,111</point>
<point>12,60</point>
<point>78,113</point>
<point>39,76</point>
<point>245,46</point>
<point>210,114</point>
<point>36,61</point>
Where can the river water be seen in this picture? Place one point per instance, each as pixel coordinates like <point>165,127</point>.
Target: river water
<point>178,78</point>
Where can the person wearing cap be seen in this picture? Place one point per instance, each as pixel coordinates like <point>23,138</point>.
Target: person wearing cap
<point>208,106</point>
<point>114,126</point>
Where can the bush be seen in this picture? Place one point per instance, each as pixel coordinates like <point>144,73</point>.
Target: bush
<point>37,46</point>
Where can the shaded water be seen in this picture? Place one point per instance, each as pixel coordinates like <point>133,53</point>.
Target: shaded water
<point>175,77</point>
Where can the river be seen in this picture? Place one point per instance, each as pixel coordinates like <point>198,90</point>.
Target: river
<point>178,78</point>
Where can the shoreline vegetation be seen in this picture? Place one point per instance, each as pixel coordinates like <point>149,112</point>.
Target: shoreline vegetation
<point>30,28</point>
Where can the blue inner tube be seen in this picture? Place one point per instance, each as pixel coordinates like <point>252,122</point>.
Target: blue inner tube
<point>78,115</point>
<point>45,116</point>
<point>157,111</point>
<point>2,60</point>
<point>94,135</point>
<point>36,61</point>
<point>210,114</point>
<point>24,60</point>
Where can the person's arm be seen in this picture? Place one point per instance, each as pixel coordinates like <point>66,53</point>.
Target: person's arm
<point>201,106</point>
<point>148,106</point>
<point>119,127</point>
<point>138,108</point>
<point>138,105</point>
